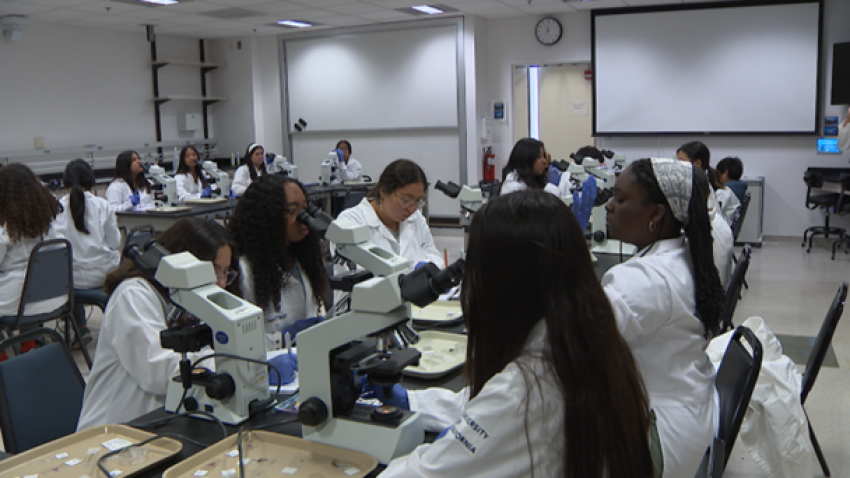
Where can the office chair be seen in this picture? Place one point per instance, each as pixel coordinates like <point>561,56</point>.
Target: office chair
<point>41,391</point>
<point>50,274</point>
<point>827,201</point>
<point>733,291</point>
<point>843,207</point>
<point>815,361</point>
<point>736,380</point>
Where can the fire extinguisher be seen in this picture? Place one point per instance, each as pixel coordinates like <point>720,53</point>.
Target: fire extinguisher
<point>489,164</point>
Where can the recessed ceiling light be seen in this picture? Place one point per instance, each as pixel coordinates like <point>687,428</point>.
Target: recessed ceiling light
<point>294,23</point>
<point>161,2</point>
<point>430,10</point>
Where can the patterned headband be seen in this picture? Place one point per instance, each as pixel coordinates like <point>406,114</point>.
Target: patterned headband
<point>676,179</point>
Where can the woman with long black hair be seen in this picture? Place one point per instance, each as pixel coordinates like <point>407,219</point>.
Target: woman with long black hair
<point>553,388</point>
<point>667,300</point>
<point>92,230</point>
<point>129,188</point>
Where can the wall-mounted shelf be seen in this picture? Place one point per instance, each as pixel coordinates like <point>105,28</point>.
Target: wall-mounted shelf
<point>159,99</point>
<point>205,67</point>
<point>206,100</point>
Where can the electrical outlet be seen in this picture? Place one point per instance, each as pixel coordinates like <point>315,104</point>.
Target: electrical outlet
<point>38,142</point>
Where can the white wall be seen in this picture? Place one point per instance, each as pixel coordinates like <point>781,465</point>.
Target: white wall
<point>781,160</point>
<point>75,86</point>
<point>234,118</point>
<point>511,41</point>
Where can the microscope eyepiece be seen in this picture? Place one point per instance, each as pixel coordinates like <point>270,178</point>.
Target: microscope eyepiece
<point>450,189</point>
<point>315,219</point>
<point>428,282</point>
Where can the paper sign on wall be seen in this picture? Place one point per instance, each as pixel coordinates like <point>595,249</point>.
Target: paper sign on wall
<point>578,108</point>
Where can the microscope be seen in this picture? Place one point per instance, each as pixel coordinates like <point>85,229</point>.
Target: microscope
<point>600,243</point>
<point>282,166</point>
<point>370,339</point>
<point>328,171</point>
<point>166,187</point>
<point>220,178</point>
<point>470,199</point>
<point>237,388</point>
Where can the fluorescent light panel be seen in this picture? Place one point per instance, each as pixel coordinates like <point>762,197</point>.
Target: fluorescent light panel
<point>294,23</point>
<point>160,2</point>
<point>430,10</point>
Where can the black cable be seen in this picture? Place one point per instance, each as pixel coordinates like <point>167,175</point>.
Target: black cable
<point>239,447</point>
<point>119,450</point>
<point>274,424</point>
<point>163,421</point>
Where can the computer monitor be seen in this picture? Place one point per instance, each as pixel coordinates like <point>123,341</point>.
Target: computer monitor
<point>828,146</point>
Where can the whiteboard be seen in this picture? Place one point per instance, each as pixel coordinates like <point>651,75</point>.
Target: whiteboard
<point>435,152</point>
<point>724,69</point>
<point>374,80</point>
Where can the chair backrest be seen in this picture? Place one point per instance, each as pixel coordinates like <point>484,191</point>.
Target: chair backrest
<point>813,179</point>
<point>844,179</point>
<point>738,222</point>
<point>50,274</point>
<point>352,198</point>
<point>736,380</point>
<point>41,392</point>
<point>827,329</point>
<point>733,290</point>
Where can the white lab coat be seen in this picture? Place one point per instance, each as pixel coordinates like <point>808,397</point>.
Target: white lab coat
<point>96,253</point>
<point>724,246</point>
<point>728,204</point>
<point>14,259</point>
<point>188,187</point>
<point>774,438</point>
<point>844,136</point>
<point>242,179</point>
<point>131,370</point>
<point>415,242</point>
<point>118,195</point>
<point>351,172</point>
<point>296,302</point>
<point>492,435</point>
<point>653,299</point>
<point>513,183</point>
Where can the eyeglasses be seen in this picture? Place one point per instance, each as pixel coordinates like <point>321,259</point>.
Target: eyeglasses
<point>293,211</point>
<point>230,275</point>
<point>407,201</point>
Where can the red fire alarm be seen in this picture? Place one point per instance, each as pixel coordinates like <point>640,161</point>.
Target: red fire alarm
<point>588,75</point>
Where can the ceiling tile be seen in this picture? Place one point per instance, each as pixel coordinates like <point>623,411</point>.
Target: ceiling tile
<point>547,9</point>
<point>197,6</point>
<point>321,3</point>
<point>58,15</point>
<point>355,8</point>
<point>17,8</point>
<point>279,7</point>
<point>643,3</point>
<point>533,3</point>
<point>237,3</point>
<point>61,3</point>
<point>386,16</point>
<point>113,7</point>
<point>579,5</point>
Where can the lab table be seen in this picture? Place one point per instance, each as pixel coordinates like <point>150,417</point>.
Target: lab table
<point>163,220</point>
<point>330,196</point>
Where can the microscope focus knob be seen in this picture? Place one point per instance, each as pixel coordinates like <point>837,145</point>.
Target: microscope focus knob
<point>313,412</point>
<point>599,236</point>
<point>220,386</point>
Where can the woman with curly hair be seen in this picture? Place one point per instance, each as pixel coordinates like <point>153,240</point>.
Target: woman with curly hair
<point>129,188</point>
<point>281,268</point>
<point>27,213</point>
<point>191,181</point>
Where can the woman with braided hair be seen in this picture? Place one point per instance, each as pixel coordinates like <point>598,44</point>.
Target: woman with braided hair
<point>667,300</point>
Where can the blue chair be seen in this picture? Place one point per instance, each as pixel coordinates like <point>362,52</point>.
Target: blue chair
<point>50,274</point>
<point>41,392</point>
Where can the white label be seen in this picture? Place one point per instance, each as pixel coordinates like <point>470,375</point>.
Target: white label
<point>200,473</point>
<point>232,453</point>
<point>289,470</point>
<point>73,462</point>
<point>62,456</point>
<point>115,473</point>
<point>246,461</point>
<point>351,471</point>
<point>116,444</point>
<point>228,473</point>
<point>30,476</point>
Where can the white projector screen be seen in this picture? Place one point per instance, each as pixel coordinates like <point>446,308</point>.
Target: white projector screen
<point>723,69</point>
